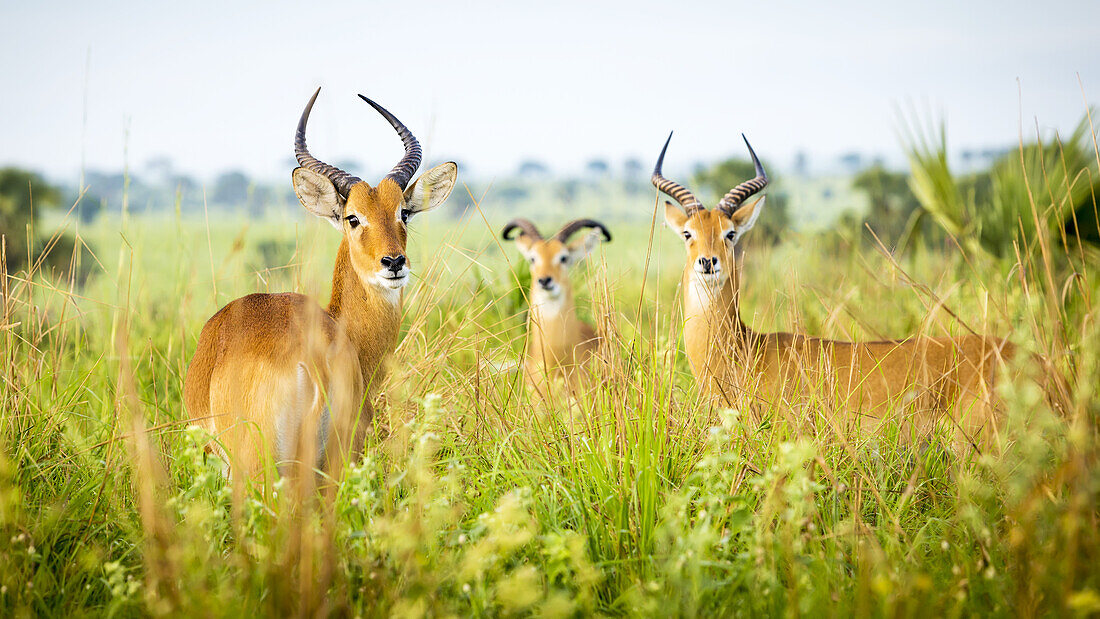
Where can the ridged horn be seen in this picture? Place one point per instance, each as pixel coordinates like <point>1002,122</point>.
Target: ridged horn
<point>524,226</point>
<point>403,171</point>
<point>685,198</point>
<point>576,225</point>
<point>740,193</point>
<point>341,179</point>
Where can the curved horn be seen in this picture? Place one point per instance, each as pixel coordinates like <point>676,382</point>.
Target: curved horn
<point>341,179</point>
<point>678,192</point>
<point>576,225</point>
<point>403,171</point>
<point>740,193</point>
<point>525,227</point>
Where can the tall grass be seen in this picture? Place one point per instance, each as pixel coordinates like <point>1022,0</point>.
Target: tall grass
<point>640,498</point>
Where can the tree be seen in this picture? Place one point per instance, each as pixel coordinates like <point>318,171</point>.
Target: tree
<point>23,196</point>
<point>851,161</point>
<point>636,178</point>
<point>567,190</point>
<point>511,193</point>
<point>160,168</point>
<point>893,206</point>
<point>722,177</point>
<point>597,167</point>
<point>90,206</point>
<point>532,167</point>
<point>231,189</point>
<point>633,168</point>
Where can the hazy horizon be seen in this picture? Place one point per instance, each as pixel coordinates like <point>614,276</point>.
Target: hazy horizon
<point>218,87</point>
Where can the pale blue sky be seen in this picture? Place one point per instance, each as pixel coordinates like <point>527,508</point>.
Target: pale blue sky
<point>217,85</point>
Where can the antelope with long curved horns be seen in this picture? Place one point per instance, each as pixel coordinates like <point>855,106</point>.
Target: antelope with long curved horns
<point>559,343</point>
<point>276,376</point>
<point>928,380</point>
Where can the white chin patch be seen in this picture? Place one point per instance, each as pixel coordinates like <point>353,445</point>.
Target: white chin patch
<point>711,279</point>
<point>547,302</point>
<point>552,293</point>
<point>387,280</point>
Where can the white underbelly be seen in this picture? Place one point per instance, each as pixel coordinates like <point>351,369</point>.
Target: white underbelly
<point>295,419</point>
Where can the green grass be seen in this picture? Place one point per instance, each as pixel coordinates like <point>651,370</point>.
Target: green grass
<point>643,499</point>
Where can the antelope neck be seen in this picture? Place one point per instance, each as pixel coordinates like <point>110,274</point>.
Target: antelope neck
<point>370,316</point>
<point>718,308</point>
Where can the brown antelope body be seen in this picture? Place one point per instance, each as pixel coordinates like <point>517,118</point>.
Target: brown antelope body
<point>929,381</point>
<point>276,376</point>
<point>559,344</point>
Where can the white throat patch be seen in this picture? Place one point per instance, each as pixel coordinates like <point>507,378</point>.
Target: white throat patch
<point>702,293</point>
<point>392,295</point>
<point>545,304</point>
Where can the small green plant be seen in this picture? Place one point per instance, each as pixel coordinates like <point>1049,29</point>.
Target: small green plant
<point>638,498</point>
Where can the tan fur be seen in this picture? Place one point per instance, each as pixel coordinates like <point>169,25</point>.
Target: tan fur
<point>267,365</point>
<point>929,381</point>
<point>559,344</point>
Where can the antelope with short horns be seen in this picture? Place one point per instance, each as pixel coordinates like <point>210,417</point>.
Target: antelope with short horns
<point>559,344</point>
<point>927,380</point>
<point>276,377</point>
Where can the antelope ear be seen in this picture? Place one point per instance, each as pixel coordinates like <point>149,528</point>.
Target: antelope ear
<point>745,217</point>
<point>675,216</point>
<point>580,248</point>
<point>432,188</point>
<point>524,243</point>
<point>318,195</point>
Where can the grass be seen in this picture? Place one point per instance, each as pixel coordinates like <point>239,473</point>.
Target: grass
<point>640,500</point>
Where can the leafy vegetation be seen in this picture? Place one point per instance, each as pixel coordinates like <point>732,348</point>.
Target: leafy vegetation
<point>24,196</point>
<point>640,499</point>
<point>1024,202</point>
<point>893,212</point>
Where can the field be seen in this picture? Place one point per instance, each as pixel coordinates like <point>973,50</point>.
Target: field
<point>644,499</point>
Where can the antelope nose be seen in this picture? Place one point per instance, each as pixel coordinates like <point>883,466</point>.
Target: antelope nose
<point>708,264</point>
<point>393,263</point>
<point>545,282</point>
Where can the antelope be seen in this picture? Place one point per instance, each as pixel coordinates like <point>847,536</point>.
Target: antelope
<point>278,376</point>
<point>933,379</point>
<point>558,343</point>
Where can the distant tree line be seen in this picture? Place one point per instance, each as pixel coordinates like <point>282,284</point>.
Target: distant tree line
<point>229,190</point>
<point>24,197</point>
<point>1038,189</point>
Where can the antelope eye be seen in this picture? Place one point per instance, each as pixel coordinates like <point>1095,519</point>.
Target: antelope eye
<point>564,259</point>
<point>687,235</point>
<point>531,260</point>
<point>405,214</point>
<point>353,221</point>
<point>730,235</point>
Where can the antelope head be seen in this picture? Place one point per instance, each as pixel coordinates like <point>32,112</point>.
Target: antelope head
<point>373,220</point>
<point>551,259</point>
<point>712,236</point>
